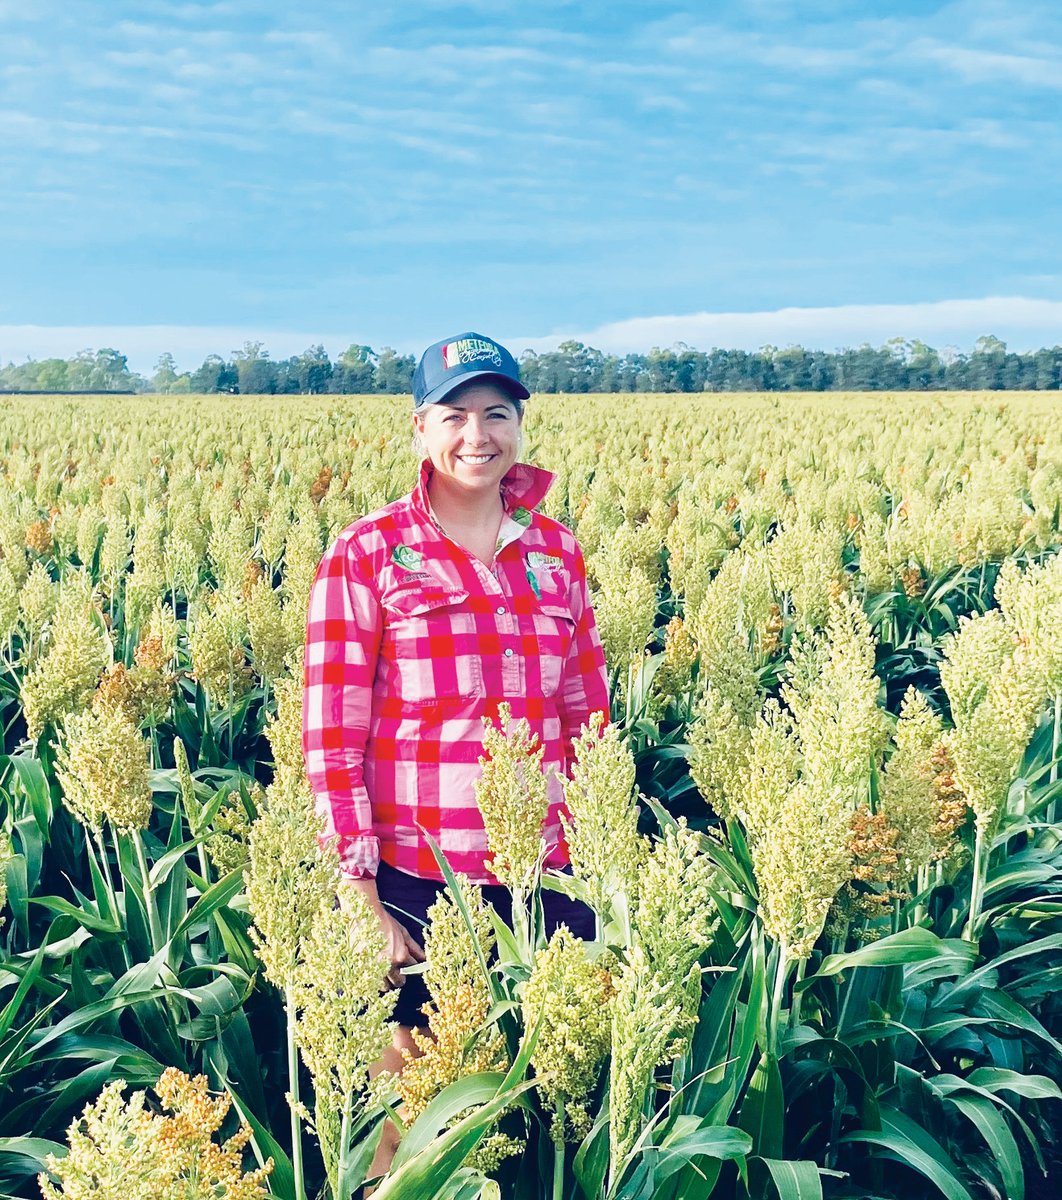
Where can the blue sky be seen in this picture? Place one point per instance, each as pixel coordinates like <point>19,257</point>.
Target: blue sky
<point>182,175</point>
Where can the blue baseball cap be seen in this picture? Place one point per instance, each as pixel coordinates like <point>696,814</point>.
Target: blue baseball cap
<point>447,365</point>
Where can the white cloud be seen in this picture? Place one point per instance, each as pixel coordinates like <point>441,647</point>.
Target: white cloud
<point>1022,322</point>
<point>986,66</point>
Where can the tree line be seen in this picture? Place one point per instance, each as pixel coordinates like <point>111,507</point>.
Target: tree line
<point>898,365</point>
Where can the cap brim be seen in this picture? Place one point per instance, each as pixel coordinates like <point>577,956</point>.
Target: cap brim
<point>510,385</point>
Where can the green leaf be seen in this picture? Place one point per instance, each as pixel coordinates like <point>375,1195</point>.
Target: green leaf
<point>84,918</point>
<point>1039,946</point>
<point>999,1079</point>
<point>709,1141</point>
<point>793,1179</point>
<point>748,1022</point>
<point>31,1147</point>
<point>456,1098</point>
<point>923,1155</point>
<point>429,1171</point>
<point>762,1113</point>
<point>73,1094</point>
<point>94,1012</point>
<point>1000,1006</point>
<point>994,1129</point>
<point>34,781</point>
<point>216,896</point>
<point>591,1159</point>
<point>912,945</point>
<point>804,1043</point>
<point>25,984</point>
<point>264,1145</point>
<point>161,868</point>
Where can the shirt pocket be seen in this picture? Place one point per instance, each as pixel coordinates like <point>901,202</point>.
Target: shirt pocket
<point>554,628</point>
<point>430,635</point>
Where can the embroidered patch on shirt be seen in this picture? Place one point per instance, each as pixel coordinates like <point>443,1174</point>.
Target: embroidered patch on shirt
<point>538,560</point>
<point>534,583</point>
<point>408,559</point>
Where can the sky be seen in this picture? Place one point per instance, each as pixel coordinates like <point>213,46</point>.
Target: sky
<point>188,176</point>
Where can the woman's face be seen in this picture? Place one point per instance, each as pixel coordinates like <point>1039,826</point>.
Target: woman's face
<point>471,437</point>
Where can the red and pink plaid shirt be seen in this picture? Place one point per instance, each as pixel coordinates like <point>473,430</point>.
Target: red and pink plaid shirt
<point>410,642</point>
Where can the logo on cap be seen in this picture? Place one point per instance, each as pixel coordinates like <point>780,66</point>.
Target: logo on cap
<point>470,350</point>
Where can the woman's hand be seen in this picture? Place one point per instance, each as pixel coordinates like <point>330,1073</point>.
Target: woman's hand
<point>400,948</point>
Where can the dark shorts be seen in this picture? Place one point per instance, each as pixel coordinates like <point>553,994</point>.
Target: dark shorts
<point>407,898</point>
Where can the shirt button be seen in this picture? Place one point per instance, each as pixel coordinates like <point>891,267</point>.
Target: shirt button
<point>500,610</point>
<point>508,652</point>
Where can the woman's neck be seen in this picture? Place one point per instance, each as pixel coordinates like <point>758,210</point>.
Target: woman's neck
<point>463,508</point>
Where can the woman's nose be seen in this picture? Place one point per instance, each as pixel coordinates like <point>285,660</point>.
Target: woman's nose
<point>475,430</point>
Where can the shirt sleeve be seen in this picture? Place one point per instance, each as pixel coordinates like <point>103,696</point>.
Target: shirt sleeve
<point>584,682</point>
<point>343,629</point>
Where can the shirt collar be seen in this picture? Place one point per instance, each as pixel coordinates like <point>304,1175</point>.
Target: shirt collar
<point>522,486</point>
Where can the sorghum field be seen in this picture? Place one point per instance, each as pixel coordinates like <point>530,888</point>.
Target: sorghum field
<point>821,834</point>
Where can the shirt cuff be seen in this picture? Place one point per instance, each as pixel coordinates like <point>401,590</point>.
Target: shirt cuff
<point>359,857</point>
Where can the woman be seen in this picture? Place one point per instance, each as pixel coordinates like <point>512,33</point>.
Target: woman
<point>424,616</point>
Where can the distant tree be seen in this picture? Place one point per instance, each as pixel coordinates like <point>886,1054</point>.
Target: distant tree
<point>100,370</point>
<point>612,377</point>
<point>899,364</point>
<point>53,374</point>
<point>987,362</point>
<point>1048,369</point>
<point>394,372</point>
<point>313,369</point>
<point>791,368</point>
<point>167,378</point>
<point>924,368</point>
<point>215,375</point>
<point>256,372</point>
<point>353,372</point>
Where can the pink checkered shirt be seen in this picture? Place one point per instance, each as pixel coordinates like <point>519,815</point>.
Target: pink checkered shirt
<point>410,642</point>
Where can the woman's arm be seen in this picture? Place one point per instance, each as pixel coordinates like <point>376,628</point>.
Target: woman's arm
<point>343,629</point>
<point>344,626</point>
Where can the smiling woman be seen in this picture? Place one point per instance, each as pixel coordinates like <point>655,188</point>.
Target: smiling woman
<point>472,438</point>
<point>426,616</point>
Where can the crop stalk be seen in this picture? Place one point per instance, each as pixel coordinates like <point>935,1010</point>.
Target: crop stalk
<point>558,1154</point>
<point>108,880</point>
<point>293,1089</point>
<point>977,887</point>
<point>781,973</point>
<point>798,996</point>
<point>149,895</point>
<point>1056,737</point>
<point>343,1184</point>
